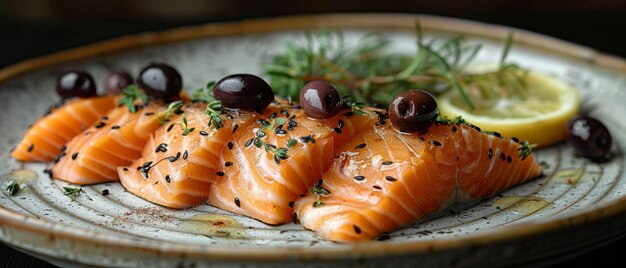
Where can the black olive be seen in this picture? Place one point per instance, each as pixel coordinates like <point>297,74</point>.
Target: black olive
<point>76,84</point>
<point>320,99</point>
<point>589,137</point>
<point>413,110</point>
<point>116,81</point>
<point>160,80</point>
<point>243,91</point>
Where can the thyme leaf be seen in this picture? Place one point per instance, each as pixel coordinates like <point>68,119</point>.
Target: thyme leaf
<point>130,94</point>
<point>13,188</point>
<point>72,192</point>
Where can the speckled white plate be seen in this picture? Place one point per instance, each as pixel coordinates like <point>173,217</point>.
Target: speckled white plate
<point>577,204</point>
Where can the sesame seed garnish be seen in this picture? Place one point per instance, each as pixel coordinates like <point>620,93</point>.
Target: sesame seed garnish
<point>235,127</point>
<point>497,134</point>
<point>436,143</point>
<point>390,178</point>
<point>220,173</point>
<point>161,148</point>
<point>115,127</point>
<point>357,230</point>
<point>100,124</point>
<point>294,218</point>
<point>63,148</point>
<point>380,123</point>
<point>168,179</point>
<point>291,203</point>
<point>87,133</point>
<point>273,115</point>
<point>360,146</point>
<point>149,114</point>
<point>387,163</point>
<point>338,130</point>
<point>249,142</point>
<point>59,156</point>
<point>230,117</point>
<point>509,159</point>
<point>228,164</point>
<point>203,133</point>
<point>340,124</point>
<point>502,156</point>
<point>377,187</point>
<point>359,178</point>
<point>185,155</point>
<point>31,147</point>
<point>453,129</point>
<point>125,168</point>
<point>515,139</point>
<point>307,139</point>
<point>174,158</point>
<point>280,132</point>
<point>49,172</point>
<point>230,145</point>
<point>74,155</point>
<point>490,153</point>
<point>170,127</point>
<point>237,202</point>
<point>105,192</point>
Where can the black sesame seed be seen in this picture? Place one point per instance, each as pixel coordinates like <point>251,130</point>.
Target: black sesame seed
<point>230,117</point>
<point>340,124</point>
<point>31,147</point>
<point>235,127</point>
<point>115,127</point>
<point>294,218</point>
<point>273,115</point>
<point>509,159</point>
<point>476,128</point>
<point>377,187</point>
<point>502,156</point>
<point>390,178</point>
<point>174,158</point>
<point>380,123</point>
<point>280,131</point>
<point>100,124</point>
<point>170,127</point>
<point>357,230</point>
<point>453,129</point>
<point>284,112</point>
<point>149,114</point>
<point>74,155</point>
<point>497,134</point>
<point>436,143</point>
<point>161,148</point>
<point>359,178</point>
<point>291,203</point>
<point>87,133</point>
<point>387,163</point>
<point>338,130</point>
<point>59,156</point>
<point>515,139</point>
<point>360,146</point>
<point>125,168</point>
<point>230,145</point>
<point>237,202</point>
<point>204,133</point>
<point>63,148</point>
<point>105,192</point>
<point>228,164</point>
<point>220,173</point>
<point>185,155</point>
<point>168,179</point>
<point>490,153</point>
<point>104,117</point>
<point>146,164</point>
<point>249,142</point>
<point>49,172</point>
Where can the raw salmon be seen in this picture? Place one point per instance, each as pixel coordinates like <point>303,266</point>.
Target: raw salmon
<point>47,136</point>
<point>176,170</point>
<point>264,187</point>
<point>116,140</point>
<point>384,179</point>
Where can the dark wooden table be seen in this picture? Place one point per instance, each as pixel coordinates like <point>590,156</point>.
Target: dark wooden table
<point>598,25</point>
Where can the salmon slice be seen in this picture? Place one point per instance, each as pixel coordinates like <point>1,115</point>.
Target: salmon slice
<point>44,140</point>
<point>176,170</point>
<point>263,186</point>
<point>383,179</point>
<point>116,140</point>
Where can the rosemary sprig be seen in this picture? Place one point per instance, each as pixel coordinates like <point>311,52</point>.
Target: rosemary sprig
<point>72,192</point>
<point>13,188</point>
<point>130,94</point>
<point>368,74</point>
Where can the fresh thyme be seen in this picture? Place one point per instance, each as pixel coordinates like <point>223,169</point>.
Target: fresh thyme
<point>13,189</point>
<point>172,108</point>
<point>368,74</point>
<point>291,142</point>
<point>259,142</point>
<point>72,192</point>
<point>185,128</point>
<point>318,191</point>
<point>525,149</point>
<point>130,94</point>
<point>213,107</point>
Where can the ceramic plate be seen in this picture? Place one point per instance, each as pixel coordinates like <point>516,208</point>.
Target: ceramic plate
<point>576,205</point>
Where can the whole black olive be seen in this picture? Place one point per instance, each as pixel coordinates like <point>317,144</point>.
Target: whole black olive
<point>589,137</point>
<point>116,81</point>
<point>243,91</point>
<point>76,84</point>
<point>413,110</point>
<point>160,80</point>
<point>320,99</point>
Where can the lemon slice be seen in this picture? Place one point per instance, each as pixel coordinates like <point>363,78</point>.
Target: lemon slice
<point>540,118</point>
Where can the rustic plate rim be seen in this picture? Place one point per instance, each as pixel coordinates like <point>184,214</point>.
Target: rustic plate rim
<point>266,25</point>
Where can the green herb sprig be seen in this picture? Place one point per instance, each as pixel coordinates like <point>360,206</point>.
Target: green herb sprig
<point>213,108</point>
<point>130,94</point>
<point>72,192</point>
<point>13,188</point>
<point>185,128</point>
<point>279,154</point>
<point>172,108</point>
<point>318,191</point>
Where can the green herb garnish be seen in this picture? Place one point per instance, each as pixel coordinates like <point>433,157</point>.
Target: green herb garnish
<point>213,111</point>
<point>525,149</point>
<point>185,128</point>
<point>13,188</point>
<point>172,108</point>
<point>72,192</point>
<point>291,142</point>
<point>130,94</point>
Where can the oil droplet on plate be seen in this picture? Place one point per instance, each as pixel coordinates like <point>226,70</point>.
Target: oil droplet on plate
<point>215,225</point>
<point>523,205</point>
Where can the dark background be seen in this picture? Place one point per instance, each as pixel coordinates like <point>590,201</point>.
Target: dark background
<point>31,28</point>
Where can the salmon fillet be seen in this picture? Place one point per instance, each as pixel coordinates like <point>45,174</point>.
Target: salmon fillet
<point>44,140</point>
<point>384,179</point>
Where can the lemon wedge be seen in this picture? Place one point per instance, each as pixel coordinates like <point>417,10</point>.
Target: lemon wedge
<point>539,118</point>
